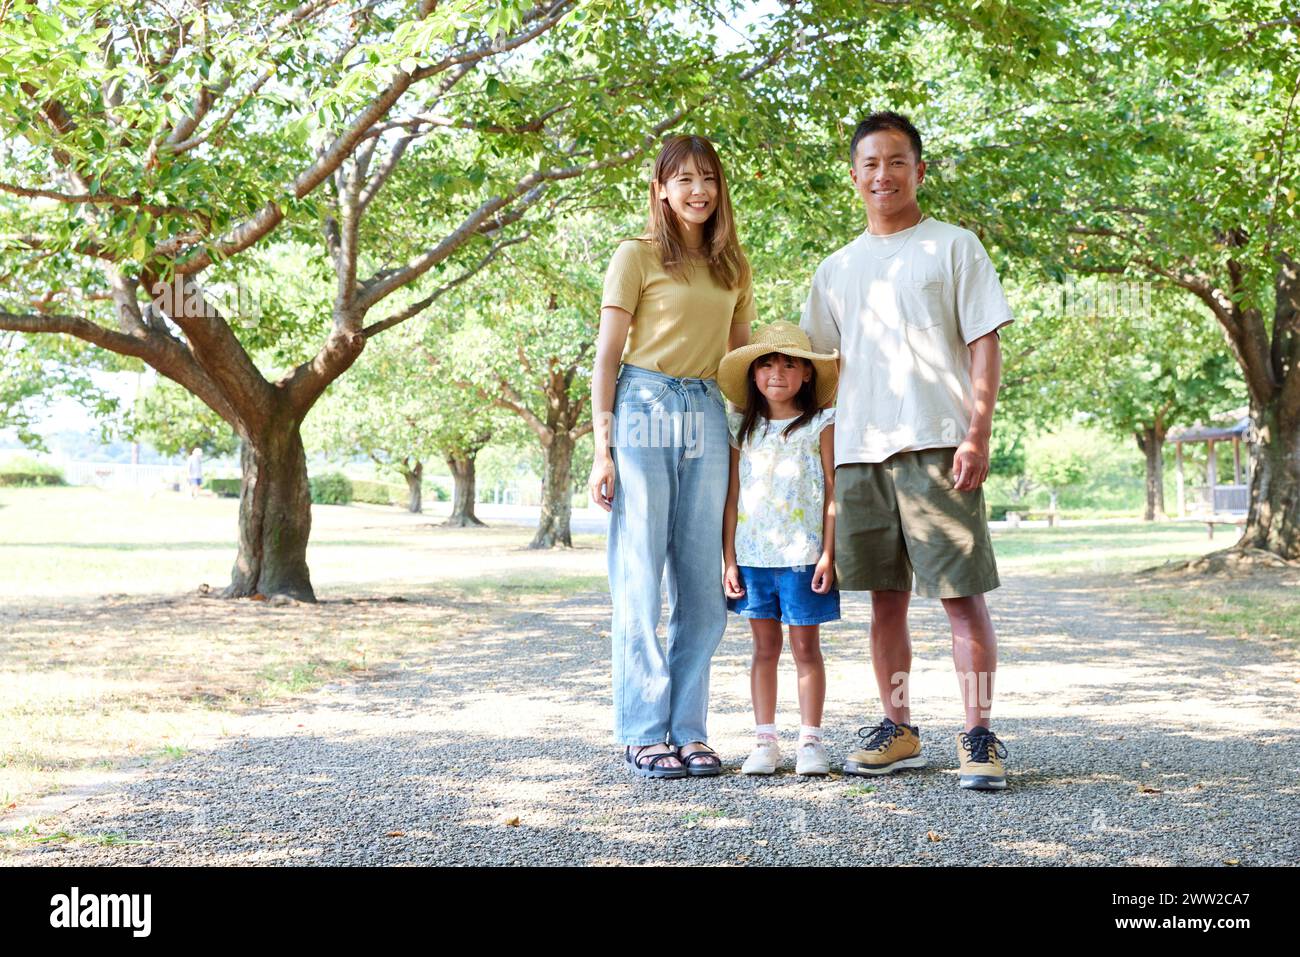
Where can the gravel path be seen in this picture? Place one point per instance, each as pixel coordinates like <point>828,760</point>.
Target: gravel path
<point>1131,742</point>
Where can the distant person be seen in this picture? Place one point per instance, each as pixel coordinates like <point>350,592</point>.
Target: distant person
<point>196,471</point>
<point>913,305</point>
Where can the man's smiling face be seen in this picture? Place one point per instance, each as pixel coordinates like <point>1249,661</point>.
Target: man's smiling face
<point>886,172</point>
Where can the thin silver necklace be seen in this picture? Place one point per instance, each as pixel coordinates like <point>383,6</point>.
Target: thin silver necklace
<point>899,248</point>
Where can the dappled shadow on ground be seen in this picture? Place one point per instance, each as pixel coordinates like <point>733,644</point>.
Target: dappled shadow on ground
<point>1130,742</point>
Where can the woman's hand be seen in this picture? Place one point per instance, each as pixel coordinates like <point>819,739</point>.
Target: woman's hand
<point>824,574</point>
<point>601,483</point>
<point>731,582</point>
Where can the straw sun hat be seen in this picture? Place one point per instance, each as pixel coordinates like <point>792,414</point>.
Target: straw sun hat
<point>787,339</point>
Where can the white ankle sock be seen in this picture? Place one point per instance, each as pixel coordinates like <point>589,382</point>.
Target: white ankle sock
<point>762,731</point>
<point>809,733</point>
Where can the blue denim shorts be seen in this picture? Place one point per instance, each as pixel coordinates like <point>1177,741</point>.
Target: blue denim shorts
<point>784,594</point>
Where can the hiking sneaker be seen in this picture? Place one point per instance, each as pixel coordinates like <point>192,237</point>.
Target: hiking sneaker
<point>980,754</point>
<point>886,748</point>
<point>763,759</point>
<point>811,759</point>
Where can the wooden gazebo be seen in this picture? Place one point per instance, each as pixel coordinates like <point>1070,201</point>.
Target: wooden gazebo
<point>1212,497</point>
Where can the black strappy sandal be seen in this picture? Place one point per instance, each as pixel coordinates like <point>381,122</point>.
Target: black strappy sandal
<point>649,766</point>
<point>710,769</point>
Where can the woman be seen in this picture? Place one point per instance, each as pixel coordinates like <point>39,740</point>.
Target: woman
<point>675,301</point>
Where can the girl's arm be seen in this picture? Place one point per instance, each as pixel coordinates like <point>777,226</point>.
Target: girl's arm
<point>614,325</point>
<point>824,576</point>
<point>731,583</point>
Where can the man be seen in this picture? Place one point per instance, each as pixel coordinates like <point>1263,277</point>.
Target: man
<point>914,305</point>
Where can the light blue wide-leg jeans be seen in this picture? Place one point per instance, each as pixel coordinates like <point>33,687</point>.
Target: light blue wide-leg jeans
<point>671,465</point>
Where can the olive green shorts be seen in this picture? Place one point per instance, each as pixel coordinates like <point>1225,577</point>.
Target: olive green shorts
<point>902,516</point>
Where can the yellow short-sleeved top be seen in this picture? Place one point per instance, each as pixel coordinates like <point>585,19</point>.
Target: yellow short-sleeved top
<point>678,328</point>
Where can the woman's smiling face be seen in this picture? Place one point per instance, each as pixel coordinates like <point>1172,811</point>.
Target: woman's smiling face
<point>691,193</point>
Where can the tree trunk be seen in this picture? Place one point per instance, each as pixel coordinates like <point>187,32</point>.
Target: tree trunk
<point>415,487</point>
<point>274,515</point>
<point>557,494</point>
<point>462,507</point>
<point>1151,440</point>
<point>1273,522</point>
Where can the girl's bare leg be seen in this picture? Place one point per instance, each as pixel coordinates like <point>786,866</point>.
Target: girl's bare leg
<point>805,643</point>
<point>768,640</point>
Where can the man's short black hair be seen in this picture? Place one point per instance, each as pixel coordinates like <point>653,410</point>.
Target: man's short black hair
<point>885,120</point>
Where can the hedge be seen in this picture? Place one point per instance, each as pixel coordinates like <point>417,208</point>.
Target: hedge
<point>372,493</point>
<point>26,471</point>
<point>226,488</point>
<point>31,478</point>
<point>379,493</point>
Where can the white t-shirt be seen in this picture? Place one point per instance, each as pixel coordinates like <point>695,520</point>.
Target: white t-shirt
<point>902,309</point>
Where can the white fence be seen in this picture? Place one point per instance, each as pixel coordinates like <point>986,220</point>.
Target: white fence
<point>122,475</point>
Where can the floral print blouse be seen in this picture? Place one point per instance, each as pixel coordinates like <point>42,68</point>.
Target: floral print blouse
<point>782,491</point>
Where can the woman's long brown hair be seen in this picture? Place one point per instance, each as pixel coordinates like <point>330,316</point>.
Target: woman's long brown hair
<point>721,248</point>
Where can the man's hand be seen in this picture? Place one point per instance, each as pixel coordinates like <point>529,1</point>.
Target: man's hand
<point>970,466</point>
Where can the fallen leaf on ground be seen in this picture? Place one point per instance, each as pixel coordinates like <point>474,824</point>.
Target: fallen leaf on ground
<point>933,836</point>
<point>512,822</point>
<point>1231,861</point>
<point>395,834</point>
<point>1148,789</point>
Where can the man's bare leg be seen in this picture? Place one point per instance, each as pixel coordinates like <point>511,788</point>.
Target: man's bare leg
<point>891,652</point>
<point>974,655</point>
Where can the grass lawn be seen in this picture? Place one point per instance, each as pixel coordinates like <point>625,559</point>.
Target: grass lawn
<point>1263,604</point>
<point>109,656</point>
<point>1101,549</point>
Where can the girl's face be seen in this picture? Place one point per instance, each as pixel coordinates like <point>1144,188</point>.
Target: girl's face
<point>691,193</point>
<point>780,377</point>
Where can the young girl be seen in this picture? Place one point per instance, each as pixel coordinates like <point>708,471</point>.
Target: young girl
<point>779,526</point>
<point>675,300</point>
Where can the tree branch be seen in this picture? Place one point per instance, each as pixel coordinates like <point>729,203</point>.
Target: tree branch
<point>542,17</point>
<point>136,201</point>
<point>216,350</point>
<point>419,307</point>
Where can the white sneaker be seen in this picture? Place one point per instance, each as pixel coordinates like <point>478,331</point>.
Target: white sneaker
<point>763,759</point>
<point>811,759</point>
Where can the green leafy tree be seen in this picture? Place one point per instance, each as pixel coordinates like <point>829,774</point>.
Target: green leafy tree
<point>1057,461</point>
<point>148,148</point>
<point>174,421</point>
<point>1166,152</point>
<point>32,374</point>
<point>1135,358</point>
<point>400,407</point>
<point>532,359</point>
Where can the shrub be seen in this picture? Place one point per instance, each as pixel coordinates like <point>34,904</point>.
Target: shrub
<point>332,488</point>
<point>225,487</point>
<point>440,493</point>
<point>21,470</point>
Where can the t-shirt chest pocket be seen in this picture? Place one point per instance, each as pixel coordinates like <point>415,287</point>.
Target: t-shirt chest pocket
<point>922,304</point>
